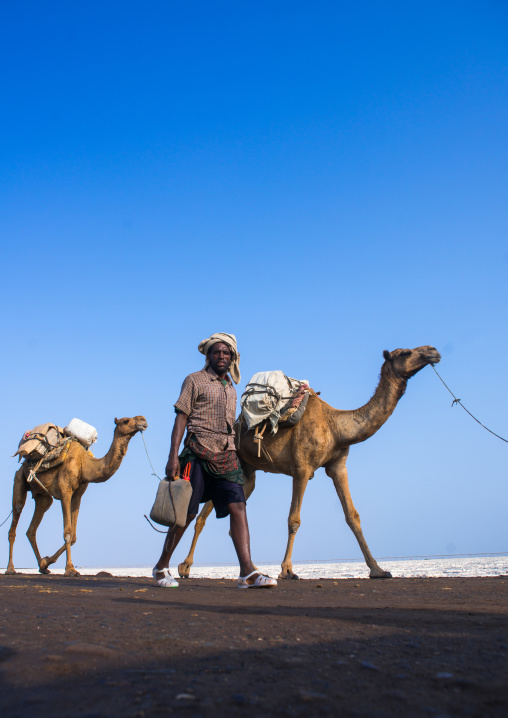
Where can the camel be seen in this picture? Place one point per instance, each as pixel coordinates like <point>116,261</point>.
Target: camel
<point>67,483</point>
<point>322,438</point>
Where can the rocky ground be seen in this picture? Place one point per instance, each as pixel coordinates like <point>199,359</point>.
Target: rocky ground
<point>103,646</point>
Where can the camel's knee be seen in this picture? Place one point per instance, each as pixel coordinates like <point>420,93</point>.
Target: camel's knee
<point>67,539</point>
<point>200,523</point>
<point>293,525</point>
<point>353,519</point>
<point>30,534</point>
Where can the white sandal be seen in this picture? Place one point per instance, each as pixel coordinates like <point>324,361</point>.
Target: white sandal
<point>167,581</point>
<point>261,581</point>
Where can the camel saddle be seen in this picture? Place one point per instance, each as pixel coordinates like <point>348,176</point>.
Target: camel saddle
<point>51,459</point>
<point>274,398</point>
<point>39,441</point>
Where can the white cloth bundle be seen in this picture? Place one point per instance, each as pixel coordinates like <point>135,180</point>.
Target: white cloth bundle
<point>267,393</point>
<point>83,432</point>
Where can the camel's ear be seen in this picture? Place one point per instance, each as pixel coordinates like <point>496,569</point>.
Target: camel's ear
<point>116,421</point>
<point>387,354</point>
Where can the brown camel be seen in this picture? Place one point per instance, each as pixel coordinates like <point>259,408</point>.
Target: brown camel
<point>322,438</point>
<point>67,483</point>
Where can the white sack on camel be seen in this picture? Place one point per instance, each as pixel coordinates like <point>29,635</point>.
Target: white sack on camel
<point>267,395</point>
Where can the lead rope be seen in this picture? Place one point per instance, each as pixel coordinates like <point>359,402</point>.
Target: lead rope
<point>3,522</point>
<point>458,401</point>
<point>154,473</point>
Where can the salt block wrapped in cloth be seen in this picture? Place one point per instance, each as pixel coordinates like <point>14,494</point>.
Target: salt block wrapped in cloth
<point>268,395</point>
<point>85,433</point>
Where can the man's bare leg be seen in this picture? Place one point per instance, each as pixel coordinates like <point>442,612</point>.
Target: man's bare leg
<point>171,542</point>
<point>241,541</point>
<point>241,537</point>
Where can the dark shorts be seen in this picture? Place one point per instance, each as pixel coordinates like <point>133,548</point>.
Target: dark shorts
<point>206,488</point>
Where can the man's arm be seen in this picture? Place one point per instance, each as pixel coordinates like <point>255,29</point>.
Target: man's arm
<point>173,465</point>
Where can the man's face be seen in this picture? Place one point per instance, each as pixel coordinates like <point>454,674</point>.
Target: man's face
<point>220,358</point>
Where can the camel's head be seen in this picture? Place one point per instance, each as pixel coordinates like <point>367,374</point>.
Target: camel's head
<point>407,362</point>
<point>129,427</point>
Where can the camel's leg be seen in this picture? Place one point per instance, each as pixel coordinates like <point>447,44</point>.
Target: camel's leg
<point>42,504</point>
<point>19,493</point>
<point>75,504</point>
<point>48,560</point>
<point>185,566</point>
<point>338,473</point>
<point>66,501</point>
<point>249,474</point>
<point>300,481</point>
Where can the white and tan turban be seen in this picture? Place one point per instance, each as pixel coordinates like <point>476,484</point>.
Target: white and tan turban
<point>230,340</point>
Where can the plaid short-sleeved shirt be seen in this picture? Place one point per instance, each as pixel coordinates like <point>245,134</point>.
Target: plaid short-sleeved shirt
<point>211,408</point>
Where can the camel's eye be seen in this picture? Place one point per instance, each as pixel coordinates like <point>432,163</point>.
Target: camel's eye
<point>405,353</point>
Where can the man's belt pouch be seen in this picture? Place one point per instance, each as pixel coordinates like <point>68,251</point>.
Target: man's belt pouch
<point>172,502</point>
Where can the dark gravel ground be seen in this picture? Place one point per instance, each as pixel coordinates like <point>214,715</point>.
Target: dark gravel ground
<point>103,646</point>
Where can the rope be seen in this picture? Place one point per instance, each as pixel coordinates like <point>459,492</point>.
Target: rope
<point>154,473</point>
<point>154,528</point>
<point>270,460</point>
<point>458,401</point>
<point>3,522</point>
<point>32,476</point>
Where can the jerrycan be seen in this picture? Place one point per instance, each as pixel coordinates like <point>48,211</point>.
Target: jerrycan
<point>172,502</point>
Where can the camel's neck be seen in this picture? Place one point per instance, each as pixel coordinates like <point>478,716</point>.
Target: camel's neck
<point>96,471</point>
<point>360,424</point>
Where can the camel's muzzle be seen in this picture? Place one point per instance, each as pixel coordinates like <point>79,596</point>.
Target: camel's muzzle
<point>434,357</point>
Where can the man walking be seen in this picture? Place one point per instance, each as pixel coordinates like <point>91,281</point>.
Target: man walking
<point>206,407</point>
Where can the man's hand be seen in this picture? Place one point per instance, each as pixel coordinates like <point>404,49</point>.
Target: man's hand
<point>173,465</point>
<point>173,468</point>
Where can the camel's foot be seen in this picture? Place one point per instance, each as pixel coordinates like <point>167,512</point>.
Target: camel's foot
<point>184,569</point>
<point>10,571</point>
<point>288,574</point>
<point>379,573</point>
<point>71,571</point>
<point>43,566</point>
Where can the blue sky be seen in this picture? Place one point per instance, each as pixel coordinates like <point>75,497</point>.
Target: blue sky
<point>325,182</point>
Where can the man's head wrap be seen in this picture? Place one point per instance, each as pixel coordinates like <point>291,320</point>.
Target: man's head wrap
<point>230,340</point>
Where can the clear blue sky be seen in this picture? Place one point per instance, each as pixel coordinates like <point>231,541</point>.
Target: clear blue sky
<point>325,182</point>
